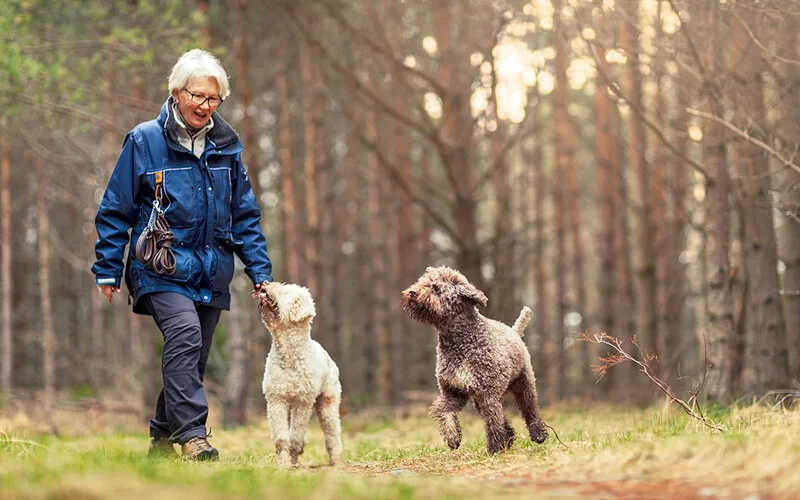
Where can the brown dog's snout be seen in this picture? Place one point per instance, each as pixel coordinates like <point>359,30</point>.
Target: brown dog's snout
<point>411,293</point>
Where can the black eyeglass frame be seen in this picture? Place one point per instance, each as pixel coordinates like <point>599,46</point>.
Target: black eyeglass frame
<point>208,100</point>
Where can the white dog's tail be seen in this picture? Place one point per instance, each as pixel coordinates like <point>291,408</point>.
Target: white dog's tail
<point>522,321</point>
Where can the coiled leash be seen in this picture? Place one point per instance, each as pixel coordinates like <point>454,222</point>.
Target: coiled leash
<point>154,246</point>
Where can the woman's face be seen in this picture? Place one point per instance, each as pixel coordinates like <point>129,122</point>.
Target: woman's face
<point>197,89</point>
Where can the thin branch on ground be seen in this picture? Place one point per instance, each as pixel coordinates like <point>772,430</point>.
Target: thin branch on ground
<point>6,438</point>
<point>556,435</point>
<point>642,362</point>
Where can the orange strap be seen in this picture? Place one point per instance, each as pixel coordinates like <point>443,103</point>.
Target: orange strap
<point>159,182</point>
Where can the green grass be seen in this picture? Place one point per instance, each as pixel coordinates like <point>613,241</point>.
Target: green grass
<point>639,452</point>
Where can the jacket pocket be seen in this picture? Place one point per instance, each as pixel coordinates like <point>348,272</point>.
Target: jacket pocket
<point>223,274</point>
<point>180,195</point>
<point>184,260</point>
<point>222,194</point>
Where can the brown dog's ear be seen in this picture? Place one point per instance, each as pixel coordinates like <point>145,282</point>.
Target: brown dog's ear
<point>471,292</point>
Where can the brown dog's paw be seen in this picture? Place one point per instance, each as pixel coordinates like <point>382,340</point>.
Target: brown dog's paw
<point>538,433</point>
<point>454,442</point>
<point>493,448</point>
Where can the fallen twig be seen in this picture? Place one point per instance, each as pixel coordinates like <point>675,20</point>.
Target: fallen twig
<point>556,435</point>
<point>643,365</point>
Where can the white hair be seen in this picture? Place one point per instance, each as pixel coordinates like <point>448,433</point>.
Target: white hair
<point>198,63</point>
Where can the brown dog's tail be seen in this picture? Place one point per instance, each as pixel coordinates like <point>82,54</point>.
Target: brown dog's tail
<point>522,321</point>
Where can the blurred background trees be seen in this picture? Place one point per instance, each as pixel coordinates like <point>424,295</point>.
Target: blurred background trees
<point>620,166</point>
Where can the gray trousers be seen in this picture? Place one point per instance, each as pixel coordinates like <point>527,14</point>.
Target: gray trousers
<point>188,328</point>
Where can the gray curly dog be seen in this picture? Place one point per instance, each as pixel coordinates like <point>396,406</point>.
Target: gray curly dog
<point>477,358</point>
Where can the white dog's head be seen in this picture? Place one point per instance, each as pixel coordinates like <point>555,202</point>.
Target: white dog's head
<point>284,305</point>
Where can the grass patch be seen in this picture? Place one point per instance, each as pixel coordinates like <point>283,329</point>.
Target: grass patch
<point>611,450</point>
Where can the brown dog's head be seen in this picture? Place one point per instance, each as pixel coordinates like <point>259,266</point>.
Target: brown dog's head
<point>439,294</point>
<point>283,305</point>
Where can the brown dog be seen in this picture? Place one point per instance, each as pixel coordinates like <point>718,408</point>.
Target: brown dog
<point>476,358</point>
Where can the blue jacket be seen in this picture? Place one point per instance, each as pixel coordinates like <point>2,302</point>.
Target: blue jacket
<point>208,202</point>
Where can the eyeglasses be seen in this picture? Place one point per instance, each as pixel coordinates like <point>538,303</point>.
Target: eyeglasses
<point>201,99</point>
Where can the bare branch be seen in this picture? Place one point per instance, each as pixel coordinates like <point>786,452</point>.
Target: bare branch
<point>642,116</point>
<point>744,135</point>
<point>363,88</point>
<point>394,173</point>
<point>689,40</point>
<point>761,45</point>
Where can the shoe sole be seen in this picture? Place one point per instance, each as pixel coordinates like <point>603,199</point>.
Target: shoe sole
<point>206,456</point>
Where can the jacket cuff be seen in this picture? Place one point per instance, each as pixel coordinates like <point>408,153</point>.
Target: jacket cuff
<point>107,280</point>
<point>261,278</point>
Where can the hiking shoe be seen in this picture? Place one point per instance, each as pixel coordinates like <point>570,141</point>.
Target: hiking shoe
<point>198,448</point>
<point>161,447</point>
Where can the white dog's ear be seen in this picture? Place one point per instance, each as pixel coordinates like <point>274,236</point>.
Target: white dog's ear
<point>301,310</point>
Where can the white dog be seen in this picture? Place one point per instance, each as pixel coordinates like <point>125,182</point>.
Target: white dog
<point>299,376</point>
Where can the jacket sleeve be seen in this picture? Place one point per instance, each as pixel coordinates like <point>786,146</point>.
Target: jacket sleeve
<point>251,246</point>
<point>116,215</point>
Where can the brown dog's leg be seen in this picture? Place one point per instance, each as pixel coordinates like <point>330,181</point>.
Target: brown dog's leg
<point>444,410</point>
<point>494,422</point>
<point>524,390</point>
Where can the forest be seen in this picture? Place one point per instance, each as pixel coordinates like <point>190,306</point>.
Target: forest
<point>625,167</point>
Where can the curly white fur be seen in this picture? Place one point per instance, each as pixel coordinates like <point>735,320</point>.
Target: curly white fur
<point>299,376</point>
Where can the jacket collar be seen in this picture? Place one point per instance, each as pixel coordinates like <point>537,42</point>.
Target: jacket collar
<point>222,135</point>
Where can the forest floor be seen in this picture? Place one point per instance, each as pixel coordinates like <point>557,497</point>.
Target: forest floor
<point>608,452</point>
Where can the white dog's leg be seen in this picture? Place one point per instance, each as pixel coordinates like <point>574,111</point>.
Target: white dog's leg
<point>297,433</point>
<point>327,408</point>
<point>278,417</point>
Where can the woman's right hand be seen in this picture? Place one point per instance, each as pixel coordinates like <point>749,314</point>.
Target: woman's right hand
<point>108,291</point>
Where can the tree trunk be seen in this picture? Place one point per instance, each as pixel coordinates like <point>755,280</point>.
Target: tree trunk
<point>538,247</point>
<point>675,240</point>
<point>310,168</point>
<point>378,257</point>
<point>719,299</point>
<point>363,341</point>
<point>290,249</point>
<point>5,264</point>
<point>48,338</point>
<point>243,90</point>
<point>645,284</point>
<point>456,134</point>
<point>788,201</point>
<point>502,304</point>
<point>406,349</point>
<point>765,353</point>
<point>205,30</point>
<point>426,230</point>
<point>564,143</point>
<point>657,221</point>
<point>401,153</point>
<point>577,265</point>
<point>623,379</point>
<point>604,156</point>
<point>235,410</point>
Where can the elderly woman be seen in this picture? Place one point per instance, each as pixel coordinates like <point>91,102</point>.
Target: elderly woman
<point>185,169</point>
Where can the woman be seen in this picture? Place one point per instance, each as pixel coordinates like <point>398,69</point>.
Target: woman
<point>189,159</point>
